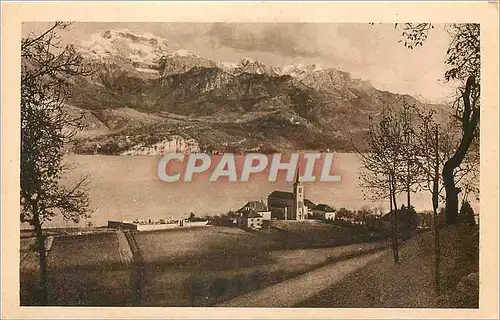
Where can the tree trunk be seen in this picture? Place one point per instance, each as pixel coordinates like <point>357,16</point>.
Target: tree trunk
<point>391,208</point>
<point>40,244</point>
<point>451,192</point>
<point>408,182</point>
<point>437,244</point>
<point>394,221</point>
<point>470,121</point>
<point>408,199</point>
<point>435,204</point>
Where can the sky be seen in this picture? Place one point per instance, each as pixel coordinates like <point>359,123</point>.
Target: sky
<point>369,52</point>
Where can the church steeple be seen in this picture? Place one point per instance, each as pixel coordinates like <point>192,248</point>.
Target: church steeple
<point>297,175</point>
<point>298,198</point>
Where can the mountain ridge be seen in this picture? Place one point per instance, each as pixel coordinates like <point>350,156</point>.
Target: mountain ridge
<point>223,107</point>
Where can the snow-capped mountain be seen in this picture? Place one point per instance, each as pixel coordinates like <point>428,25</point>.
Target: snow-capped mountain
<point>146,52</point>
<point>150,54</point>
<point>224,106</point>
<point>300,70</point>
<point>227,66</point>
<point>144,49</point>
<point>247,65</point>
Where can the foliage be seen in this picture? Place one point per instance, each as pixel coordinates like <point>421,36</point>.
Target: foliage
<point>46,127</point>
<point>46,70</point>
<point>364,213</point>
<point>463,61</point>
<point>344,213</point>
<point>425,219</point>
<point>407,222</point>
<point>463,56</point>
<point>466,215</point>
<point>408,225</point>
<point>414,33</point>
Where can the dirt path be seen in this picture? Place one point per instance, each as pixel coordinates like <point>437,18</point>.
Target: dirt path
<point>137,279</point>
<point>293,291</point>
<point>124,249</point>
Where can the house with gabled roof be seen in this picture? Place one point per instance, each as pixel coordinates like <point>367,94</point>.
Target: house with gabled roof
<point>252,214</point>
<point>323,211</point>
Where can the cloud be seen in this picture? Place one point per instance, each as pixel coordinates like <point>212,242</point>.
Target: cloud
<point>282,38</point>
<point>369,52</point>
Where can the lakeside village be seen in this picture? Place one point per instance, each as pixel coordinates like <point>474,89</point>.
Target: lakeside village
<point>283,205</point>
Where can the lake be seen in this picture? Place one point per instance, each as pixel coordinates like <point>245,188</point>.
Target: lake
<point>127,187</point>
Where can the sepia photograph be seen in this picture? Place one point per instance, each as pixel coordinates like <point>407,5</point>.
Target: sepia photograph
<point>250,164</point>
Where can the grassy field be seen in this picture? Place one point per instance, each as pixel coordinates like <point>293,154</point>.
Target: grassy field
<point>410,284</point>
<point>208,265</point>
<point>183,267</point>
<point>83,270</point>
<point>291,234</point>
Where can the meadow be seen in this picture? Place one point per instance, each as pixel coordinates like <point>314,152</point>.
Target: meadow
<point>184,267</point>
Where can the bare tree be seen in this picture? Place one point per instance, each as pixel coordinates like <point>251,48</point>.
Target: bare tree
<point>430,160</point>
<point>382,166</point>
<point>411,172</point>
<point>45,128</point>
<point>435,144</point>
<point>463,59</point>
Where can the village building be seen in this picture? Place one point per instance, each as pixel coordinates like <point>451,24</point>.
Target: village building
<point>252,215</point>
<point>323,211</point>
<point>330,215</point>
<point>152,224</point>
<point>290,205</point>
<point>251,220</point>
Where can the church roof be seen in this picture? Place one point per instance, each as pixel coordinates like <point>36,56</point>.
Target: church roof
<point>281,194</point>
<point>289,196</point>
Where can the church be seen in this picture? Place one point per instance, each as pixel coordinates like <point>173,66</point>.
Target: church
<point>290,205</point>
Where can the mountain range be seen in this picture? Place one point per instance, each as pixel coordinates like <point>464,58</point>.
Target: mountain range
<point>145,98</point>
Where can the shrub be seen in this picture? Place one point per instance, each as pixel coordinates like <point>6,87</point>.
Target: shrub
<point>407,222</point>
<point>110,148</point>
<point>466,215</point>
<point>441,217</point>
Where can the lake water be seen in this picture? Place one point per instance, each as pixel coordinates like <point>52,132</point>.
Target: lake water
<point>127,187</point>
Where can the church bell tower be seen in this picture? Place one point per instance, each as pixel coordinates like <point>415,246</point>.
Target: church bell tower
<point>298,199</point>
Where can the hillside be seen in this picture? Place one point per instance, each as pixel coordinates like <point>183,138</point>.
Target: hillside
<point>410,284</point>
<point>144,93</point>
